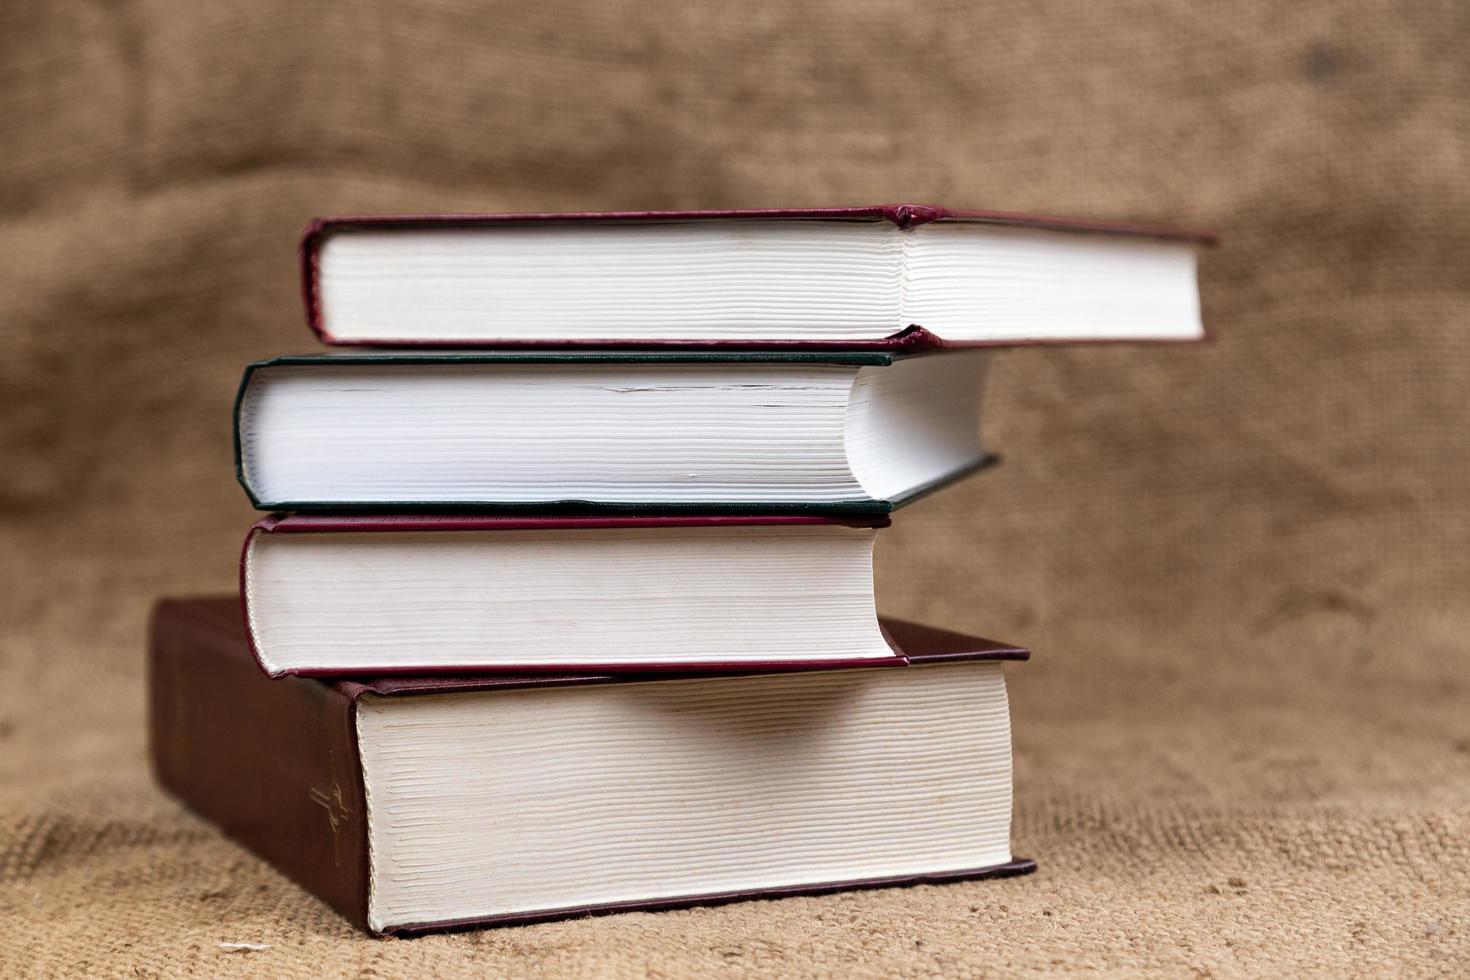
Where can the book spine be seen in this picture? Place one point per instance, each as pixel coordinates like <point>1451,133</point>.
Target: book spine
<point>273,762</point>
<point>308,254</point>
<point>247,614</point>
<point>236,419</point>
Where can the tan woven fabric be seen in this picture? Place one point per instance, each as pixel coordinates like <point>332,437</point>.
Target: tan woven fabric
<point>1243,745</point>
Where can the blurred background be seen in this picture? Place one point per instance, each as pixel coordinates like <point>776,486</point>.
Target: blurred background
<point>1243,566</point>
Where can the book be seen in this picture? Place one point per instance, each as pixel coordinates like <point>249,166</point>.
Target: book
<point>906,276</point>
<point>775,432</point>
<point>417,804</point>
<point>352,595</point>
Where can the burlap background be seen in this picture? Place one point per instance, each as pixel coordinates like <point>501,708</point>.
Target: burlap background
<point>1243,745</point>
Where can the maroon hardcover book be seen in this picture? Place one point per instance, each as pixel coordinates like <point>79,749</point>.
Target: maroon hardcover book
<point>589,620</point>
<point>289,769</point>
<point>788,334</point>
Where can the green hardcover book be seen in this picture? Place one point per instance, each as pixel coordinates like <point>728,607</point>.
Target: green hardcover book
<point>708,432</point>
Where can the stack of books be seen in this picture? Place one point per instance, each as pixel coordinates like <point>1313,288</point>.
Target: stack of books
<point>565,602</point>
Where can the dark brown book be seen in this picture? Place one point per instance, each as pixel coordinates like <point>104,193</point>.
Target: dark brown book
<point>422,804</point>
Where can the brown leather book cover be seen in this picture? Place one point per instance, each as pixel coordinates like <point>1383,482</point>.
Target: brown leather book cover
<point>913,339</point>
<point>275,762</point>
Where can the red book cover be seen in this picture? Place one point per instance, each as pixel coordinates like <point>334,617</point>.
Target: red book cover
<point>914,338</point>
<point>399,523</point>
<point>276,763</point>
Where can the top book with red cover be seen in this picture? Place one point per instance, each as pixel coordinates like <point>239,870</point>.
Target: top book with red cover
<point>896,277</point>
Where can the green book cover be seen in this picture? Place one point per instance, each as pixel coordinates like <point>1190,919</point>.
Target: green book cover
<point>859,505</point>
